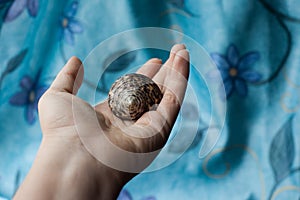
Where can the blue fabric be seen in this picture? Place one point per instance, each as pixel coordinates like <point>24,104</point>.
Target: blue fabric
<point>253,43</point>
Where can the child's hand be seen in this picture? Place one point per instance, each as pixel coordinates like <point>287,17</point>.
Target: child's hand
<point>64,163</point>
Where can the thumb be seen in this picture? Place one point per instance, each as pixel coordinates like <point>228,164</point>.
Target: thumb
<point>69,78</point>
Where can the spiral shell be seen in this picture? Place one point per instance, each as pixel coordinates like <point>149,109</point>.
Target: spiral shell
<point>132,95</point>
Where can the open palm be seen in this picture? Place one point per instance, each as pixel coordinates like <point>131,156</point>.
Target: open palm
<point>62,114</point>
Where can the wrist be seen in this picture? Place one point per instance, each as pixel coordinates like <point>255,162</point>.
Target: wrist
<point>64,169</point>
<point>81,172</point>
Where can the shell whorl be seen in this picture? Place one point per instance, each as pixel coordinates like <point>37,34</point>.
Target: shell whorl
<point>132,95</point>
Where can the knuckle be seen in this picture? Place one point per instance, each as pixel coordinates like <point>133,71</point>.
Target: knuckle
<point>171,99</point>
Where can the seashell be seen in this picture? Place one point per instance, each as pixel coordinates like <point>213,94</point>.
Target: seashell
<point>132,95</point>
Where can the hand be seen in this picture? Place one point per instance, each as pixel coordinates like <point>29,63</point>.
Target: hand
<point>62,156</point>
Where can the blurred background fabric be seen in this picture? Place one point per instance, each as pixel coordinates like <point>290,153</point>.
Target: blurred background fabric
<point>255,45</point>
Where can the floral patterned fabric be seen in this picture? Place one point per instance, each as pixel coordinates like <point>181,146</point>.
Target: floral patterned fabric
<point>254,44</point>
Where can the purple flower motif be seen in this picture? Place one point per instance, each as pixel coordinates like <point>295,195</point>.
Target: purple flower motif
<point>29,96</point>
<point>18,6</point>
<point>69,24</point>
<point>235,71</point>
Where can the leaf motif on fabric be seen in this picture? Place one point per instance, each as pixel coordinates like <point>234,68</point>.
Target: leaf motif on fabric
<point>177,3</point>
<point>13,64</point>
<point>119,60</point>
<point>282,151</point>
<point>115,62</point>
<point>251,197</point>
<point>17,181</point>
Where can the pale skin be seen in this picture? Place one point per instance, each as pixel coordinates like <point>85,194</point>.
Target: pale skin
<point>63,168</point>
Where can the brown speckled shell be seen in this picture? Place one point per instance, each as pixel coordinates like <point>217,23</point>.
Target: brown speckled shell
<point>132,95</point>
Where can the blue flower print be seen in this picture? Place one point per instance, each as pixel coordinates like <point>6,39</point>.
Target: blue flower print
<point>69,24</point>
<point>29,97</point>
<point>235,71</point>
<point>18,6</point>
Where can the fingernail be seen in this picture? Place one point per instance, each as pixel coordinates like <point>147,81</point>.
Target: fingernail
<point>177,47</point>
